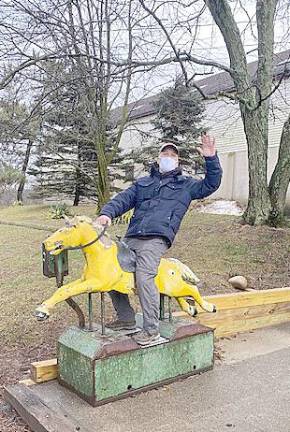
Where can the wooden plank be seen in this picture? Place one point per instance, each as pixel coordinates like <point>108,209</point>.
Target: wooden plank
<point>232,321</point>
<point>245,299</point>
<point>248,324</point>
<point>229,315</point>
<point>36,413</point>
<point>250,298</point>
<point>43,371</point>
<point>28,382</point>
<point>241,312</point>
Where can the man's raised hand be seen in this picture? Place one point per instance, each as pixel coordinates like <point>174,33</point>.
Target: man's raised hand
<point>207,145</point>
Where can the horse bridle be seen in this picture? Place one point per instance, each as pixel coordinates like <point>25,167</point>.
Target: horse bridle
<point>85,245</point>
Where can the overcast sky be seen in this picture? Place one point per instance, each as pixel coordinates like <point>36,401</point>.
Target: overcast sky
<point>209,43</point>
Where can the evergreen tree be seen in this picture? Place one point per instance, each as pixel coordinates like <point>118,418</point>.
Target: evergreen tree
<point>9,177</point>
<point>66,161</point>
<point>179,115</point>
<point>18,132</point>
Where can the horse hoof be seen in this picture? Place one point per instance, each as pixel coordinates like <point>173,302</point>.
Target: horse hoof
<point>41,316</point>
<point>192,311</point>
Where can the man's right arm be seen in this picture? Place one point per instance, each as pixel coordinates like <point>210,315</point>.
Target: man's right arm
<point>121,203</point>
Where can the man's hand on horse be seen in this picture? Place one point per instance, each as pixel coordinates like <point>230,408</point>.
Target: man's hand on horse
<point>103,220</point>
<point>207,145</point>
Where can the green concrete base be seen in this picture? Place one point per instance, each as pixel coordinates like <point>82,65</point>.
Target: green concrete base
<point>104,368</point>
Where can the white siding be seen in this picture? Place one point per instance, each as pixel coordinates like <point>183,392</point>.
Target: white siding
<point>224,122</point>
<point>137,133</point>
<point>226,125</point>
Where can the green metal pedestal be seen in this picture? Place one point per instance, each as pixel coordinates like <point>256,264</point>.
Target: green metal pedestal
<point>101,369</point>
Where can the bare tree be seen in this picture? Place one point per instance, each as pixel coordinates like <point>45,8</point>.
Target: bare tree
<point>265,203</point>
<point>100,42</point>
<point>88,36</point>
<point>253,97</point>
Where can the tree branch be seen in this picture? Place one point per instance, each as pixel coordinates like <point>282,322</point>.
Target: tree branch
<point>223,17</point>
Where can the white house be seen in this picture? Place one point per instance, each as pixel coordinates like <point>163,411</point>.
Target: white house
<point>224,121</point>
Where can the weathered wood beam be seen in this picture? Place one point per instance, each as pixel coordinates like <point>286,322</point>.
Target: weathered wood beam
<point>36,413</point>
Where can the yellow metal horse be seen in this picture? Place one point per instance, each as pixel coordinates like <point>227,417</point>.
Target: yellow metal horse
<point>102,271</point>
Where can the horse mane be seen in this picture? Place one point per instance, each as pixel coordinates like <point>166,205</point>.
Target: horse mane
<point>105,239</point>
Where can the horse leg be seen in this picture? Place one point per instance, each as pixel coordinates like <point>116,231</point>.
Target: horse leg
<point>195,294</point>
<point>64,292</point>
<point>186,307</point>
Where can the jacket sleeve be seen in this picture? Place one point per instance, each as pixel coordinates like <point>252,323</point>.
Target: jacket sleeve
<point>203,188</point>
<point>121,203</point>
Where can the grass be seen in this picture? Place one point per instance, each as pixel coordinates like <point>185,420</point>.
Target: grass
<point>215,247</point>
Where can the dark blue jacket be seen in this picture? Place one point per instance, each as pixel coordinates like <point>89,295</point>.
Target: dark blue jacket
<point>161,200</point>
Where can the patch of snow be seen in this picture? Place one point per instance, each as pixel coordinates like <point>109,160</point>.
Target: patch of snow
<point>222,207</point>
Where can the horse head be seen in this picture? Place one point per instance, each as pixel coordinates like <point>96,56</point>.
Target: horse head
<point>76,232</point>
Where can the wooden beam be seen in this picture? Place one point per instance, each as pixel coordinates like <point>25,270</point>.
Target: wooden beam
<point>241,312</point>
<point>43,371</point>
<point>229,315</point>
<point>246,299</point>
<point>27,382</point>
<point>248,324</point>
<point>37,414</point>
<point>250,298</point>
<point>231,321</point>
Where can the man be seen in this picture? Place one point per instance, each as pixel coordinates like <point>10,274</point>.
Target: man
<point>160,201</point>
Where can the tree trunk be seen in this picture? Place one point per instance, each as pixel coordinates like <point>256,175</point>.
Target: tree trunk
<point>76,198</point>
<point>23,171</point>
<point>256,118</point>
<point>254,103</point>
<point>103,182</point>
<point>259,206</point>
<point>280,178</point>
<point>103,186</point>
<point>77,195</point>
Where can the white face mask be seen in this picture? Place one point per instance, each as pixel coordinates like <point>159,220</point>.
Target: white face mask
<point>167,164</point>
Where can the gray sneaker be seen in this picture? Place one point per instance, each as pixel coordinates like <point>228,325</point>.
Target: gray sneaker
<point>144,338</point>
<point>121,325</point>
